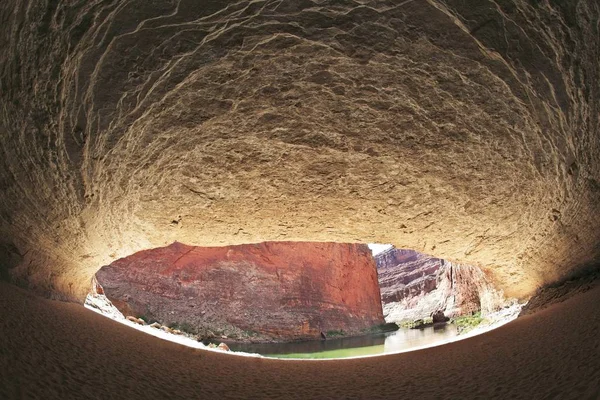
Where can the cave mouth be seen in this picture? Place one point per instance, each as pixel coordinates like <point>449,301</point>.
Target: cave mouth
<point>300,300</point>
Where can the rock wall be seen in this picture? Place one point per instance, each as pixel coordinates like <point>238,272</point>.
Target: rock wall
<point>128,125</point>
<point>414,285</point>
<point>406,275</point>
<point>268,291</point>
<point>560,291</point>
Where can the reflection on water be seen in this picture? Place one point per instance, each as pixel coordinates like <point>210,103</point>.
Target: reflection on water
<point>382,343</point>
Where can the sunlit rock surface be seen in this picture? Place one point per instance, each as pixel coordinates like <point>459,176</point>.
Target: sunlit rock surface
<point>405,274</point>
<point>127,125</point>
<point>268,291</point>
<point>414,286</point>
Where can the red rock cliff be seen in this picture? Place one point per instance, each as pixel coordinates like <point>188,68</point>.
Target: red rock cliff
<point>274,290</point>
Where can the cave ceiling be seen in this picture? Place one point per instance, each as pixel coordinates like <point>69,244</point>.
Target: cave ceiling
<point>464,129</point>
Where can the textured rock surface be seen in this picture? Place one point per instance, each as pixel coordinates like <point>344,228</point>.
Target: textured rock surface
<point>406,275</point>
<point>128,125</point>
<point>414,286</point>
<point>267,291</point>
<point>562,291</point>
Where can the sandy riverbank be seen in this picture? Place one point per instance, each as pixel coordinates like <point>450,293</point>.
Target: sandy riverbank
<point>58,350</point>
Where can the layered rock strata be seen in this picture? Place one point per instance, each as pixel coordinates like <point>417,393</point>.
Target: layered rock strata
<point>269,291</point>
<point>415,286</point>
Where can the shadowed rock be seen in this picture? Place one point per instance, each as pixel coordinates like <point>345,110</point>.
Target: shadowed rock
<point>129,125</point>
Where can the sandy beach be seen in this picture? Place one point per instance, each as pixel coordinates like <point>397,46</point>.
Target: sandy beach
<point>60,350</point>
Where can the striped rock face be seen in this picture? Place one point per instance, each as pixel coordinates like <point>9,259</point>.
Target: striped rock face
<point>466,130</point>
<point>269,291</point>
<point>415,286</point>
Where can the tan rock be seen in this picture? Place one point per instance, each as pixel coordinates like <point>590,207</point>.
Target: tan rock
<point>223,346</point>
<point>136,320</point>
<point>166,329</point>
<point>464,138</point>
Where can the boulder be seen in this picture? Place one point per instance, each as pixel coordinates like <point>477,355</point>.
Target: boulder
<point>438,317</point>
<point>166,329</point>
<point>136,320</point>
<point>223,346</point>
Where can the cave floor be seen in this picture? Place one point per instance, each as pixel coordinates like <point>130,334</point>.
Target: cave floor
<point>52,349</point>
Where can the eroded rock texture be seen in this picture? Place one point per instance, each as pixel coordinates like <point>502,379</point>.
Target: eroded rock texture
<point>415,286</point>
<point>267,291</point>
<point>128,125</point>
<point>406,274</point>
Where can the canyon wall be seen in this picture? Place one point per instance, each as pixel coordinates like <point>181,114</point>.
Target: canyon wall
<point>414,285</point>
<point>267,291</point>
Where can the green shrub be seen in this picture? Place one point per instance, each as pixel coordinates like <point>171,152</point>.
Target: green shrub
<point>183,327</point>
<point>381,328</point>
<point>417,324</point>
<point>334,333</point>
<point>468,321</point>
<point>406,323</point>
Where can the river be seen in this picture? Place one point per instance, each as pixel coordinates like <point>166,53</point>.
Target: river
<point>381,343</point>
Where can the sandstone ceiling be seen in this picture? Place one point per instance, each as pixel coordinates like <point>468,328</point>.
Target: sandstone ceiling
<point>464,129</point>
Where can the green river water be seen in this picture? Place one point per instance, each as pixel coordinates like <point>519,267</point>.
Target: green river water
<point>382,343</point>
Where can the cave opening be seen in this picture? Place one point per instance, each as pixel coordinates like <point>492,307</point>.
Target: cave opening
<point>300,299</point>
